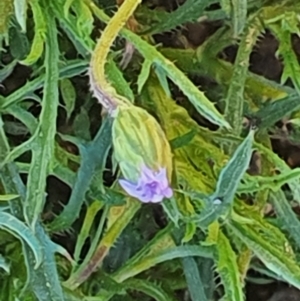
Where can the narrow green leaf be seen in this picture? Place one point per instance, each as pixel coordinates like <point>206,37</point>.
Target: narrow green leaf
<point>68,94</point>
<point>235,95</point>
<point>43,147</point>
<point>8,197</point>
<point>37,47</point>
<point>45,280</point>
<point>21,13</point>
<point>234,170</point>
<point>162,77</point>
<point>228,269</point>
<point>69,26</point>
<point>117,220</point>
<point>220,202</point>
<point>193,279</point>
<point>144,74</point>
<point>239,15</point>
<point>67,6</point>
<point>148,288</point>
<point>20,230</point>
<point>190,11</point>
<point>117,79</point>
<point>286,215</point>
<point>85,20</point>
<point>183,140</point>
<point>258,183</point>
<point>291,65</point>
<point>84,233</point>
<point>130,270</point>
<point>93,157</point>
<point>268,244</point>
<point>171,209</point>
<point>73,68</point>
<point>196,97</point>
<point>7,70</point>
<point>277,110</point>
<point>4,264</point>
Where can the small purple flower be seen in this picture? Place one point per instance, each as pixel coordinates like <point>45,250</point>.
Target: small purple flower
<point>151,187</point>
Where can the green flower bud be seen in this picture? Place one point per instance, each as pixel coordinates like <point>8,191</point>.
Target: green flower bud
<point>138,140</point>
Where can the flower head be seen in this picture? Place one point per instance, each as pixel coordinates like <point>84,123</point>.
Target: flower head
<point>151,187</point>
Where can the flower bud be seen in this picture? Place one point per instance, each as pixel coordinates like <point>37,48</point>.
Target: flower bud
<point>141,149</point>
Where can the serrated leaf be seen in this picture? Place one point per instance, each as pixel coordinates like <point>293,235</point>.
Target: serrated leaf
<point>190,11</point>
<point>72,69</point>
<point>44,281</point>
<point>196,97</point>
<point>220,202</point>
<point>234,110</point>
<point>234,170</point>
<point>276,110</point>
<point>286,214</point>
<point>44,137</point>
<point>269,244</point>
<point>258,183</point>
<point>291,65</point>
<point>228,269</point>
<point>39,38</point>
<point>134,266</point>
<point>93,156</point>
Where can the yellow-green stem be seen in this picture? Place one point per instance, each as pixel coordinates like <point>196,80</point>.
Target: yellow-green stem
<point>107,38</point>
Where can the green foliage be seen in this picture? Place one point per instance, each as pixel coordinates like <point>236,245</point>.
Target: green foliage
<point>68,230</point>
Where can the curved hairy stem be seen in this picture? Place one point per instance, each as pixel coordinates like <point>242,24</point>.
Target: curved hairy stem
<point>102,89</point>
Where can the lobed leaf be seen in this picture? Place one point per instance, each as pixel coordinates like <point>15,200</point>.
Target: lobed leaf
<point>227,267</point>
<point>93,157</point>
<point>269,244</point>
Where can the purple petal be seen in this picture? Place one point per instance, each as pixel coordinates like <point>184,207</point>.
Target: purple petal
<point>147,174</point>
<point>143,193</point>
<point>157,198</point>
<point>161,177</point>
<point>146,194</point>
<point>151,187</point>
<point>130,188</point>
<point>168,192</point>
